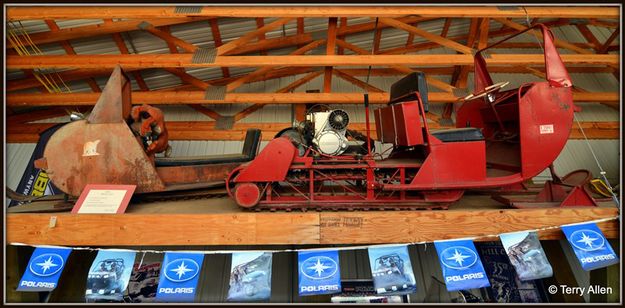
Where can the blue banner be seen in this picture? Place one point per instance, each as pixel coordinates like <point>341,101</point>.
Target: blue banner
<point>591,248</point>
<point>250,276</point>
<point>391,270</point>
<point>461,265</point>
<point>180,273</point>
<point>319,272</point>
<point>109,275</point>
<point>526,255</point>
<point>44,269</point>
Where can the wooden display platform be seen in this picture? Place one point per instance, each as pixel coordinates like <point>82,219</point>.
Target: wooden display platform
<point>220,222</point>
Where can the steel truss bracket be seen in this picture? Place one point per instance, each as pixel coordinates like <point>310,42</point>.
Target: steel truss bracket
<point>224,123</point>
<point>204,55</point>
<point>215,93</point>
<point>144,25</point>
<point>188,9</point>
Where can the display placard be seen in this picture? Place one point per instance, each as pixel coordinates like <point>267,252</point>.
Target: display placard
<point>104,199</point>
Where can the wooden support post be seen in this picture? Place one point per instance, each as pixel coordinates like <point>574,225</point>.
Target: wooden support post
<point>330,46</point>
<point>300,28</point>
<point>342,27</point>
<point>260,22</point>
<point>445,27</point>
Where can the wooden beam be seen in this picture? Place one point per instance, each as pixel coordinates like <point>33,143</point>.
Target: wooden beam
<point>184,60</point>
<point>590,38</point>
<point>121,45</point>
<point>355,81</point>
<point>218,42</point>
<point>606,45</point>
<point>35,115</point>
<point>223,49</point>
<point>206,111</point>
<point>70,51</point>
<point>445,27</point>
<point>330,46</point>
<point>557,42</point>
<point>167,37</point>
<point>260,22</point>
<point>427,35</point>
<point>290,87</point>
<point>41,38</point>
<point>300,28</point>
<point>188,79</point>
<point>198,97</point>
<point>231,225</point>
<point>342,26</point>
<point>482,42</point>
<point>259,72</point>
<point>205,130</point>
<point>69,12</point>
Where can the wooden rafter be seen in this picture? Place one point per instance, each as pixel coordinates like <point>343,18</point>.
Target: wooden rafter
<point>557,42</point>
<point>590,38</point>
<point>606,45</point>
<point>342,26</point>
<point>260,22</point>
<point>170,39</point>
<point>223,49</point>
<point>121,45</point>
<point>70,51</point>
<point>259,72</point>
<point>446,26</point>
<point>355,81</point>
<point>205,130</point>
<point>290,87</point>
<point>41,38</point>
<point>427,35</point>
<point>218,42</point>
<point>67,12</point>
<point>198,97</point>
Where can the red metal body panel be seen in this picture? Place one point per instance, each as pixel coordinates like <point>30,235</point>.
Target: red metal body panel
<point>399,124</point>
<point>271,164</point>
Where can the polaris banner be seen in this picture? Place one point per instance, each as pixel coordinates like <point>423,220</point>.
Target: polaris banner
<point>391,270</point>
<point>591,248</point>
<point>526,255</point>
<point>461,265</point>
<point>180,273</point>
<point>35,182</point>
<point>109,275</point>
<point>319,272</point>
<point>250,276</point>
<point>144,279</point>
<point>44,269</point>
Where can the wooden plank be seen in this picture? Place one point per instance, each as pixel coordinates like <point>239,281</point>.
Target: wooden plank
<point>197,97</point>
<point>233,227</point>
<point>419,226</point>
<point>221,50</point>
<point>184,60</point>
<point>41,38</point>
<point>427,35</point>
<point>68,12</point>
<point>173,229</point>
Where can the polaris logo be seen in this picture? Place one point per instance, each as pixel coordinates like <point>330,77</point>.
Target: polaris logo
<point>38,284</point>
<point>176,290</point>
<point>598,258</point>
<point>464,277</point>
<point>319,288</point>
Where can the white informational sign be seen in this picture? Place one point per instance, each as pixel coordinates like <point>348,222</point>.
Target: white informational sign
<point>104,199</point>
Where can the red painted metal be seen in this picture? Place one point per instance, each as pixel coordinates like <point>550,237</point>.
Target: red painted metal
<point>247,194</point>
<point>104,150</point>
<point>524,131</point>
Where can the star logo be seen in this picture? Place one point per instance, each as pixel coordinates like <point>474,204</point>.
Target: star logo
<point>46,264</point>
<point>458,257</point>
<point>587,240</point>
<point>180,270</point>
<point>318,267</point>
